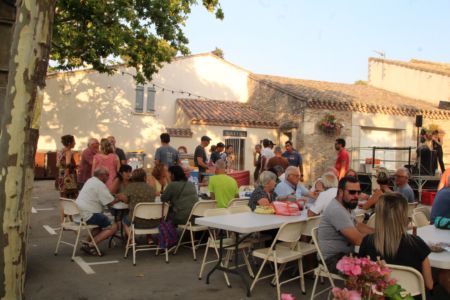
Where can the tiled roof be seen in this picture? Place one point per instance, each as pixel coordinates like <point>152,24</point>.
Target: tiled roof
<point>224,113</point>
<point>416,64</point>
<point>351,97</point>
<point>179,132</point>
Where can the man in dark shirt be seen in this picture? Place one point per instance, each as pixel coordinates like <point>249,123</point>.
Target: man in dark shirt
<point>293,157</point>
<point>277,160</point>
<point>441,204</point>
<point>119,152</point>
<point>215,156</point>
<point>200,159</point>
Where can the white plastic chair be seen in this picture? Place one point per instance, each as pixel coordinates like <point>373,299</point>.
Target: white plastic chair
<point>239,209</point>
<point>411,207</point>
<point>70,209</point>
<point>146,211</point>
<point>289,234</point>
<point>238,202</point>
<point>227,244</point>
<point>410,279</point>
<point>419,219</point>
<point>322,269</point>
<point>425,210</point>
<point>371,221</point>
<point>198,210</point>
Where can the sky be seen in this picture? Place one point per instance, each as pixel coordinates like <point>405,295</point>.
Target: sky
<point>319,39</point>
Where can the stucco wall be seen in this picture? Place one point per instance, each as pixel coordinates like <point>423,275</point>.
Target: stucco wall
<point>88,104</point>
<point>408,82</point>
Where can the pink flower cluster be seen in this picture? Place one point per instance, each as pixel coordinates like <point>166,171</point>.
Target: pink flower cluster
<point>345,294</point>
<point>364,277</point>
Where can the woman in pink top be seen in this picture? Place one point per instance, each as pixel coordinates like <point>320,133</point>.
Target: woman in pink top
<point>107,159</point>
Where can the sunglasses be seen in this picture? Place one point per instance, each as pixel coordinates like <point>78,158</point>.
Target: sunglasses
<point>353,192</point>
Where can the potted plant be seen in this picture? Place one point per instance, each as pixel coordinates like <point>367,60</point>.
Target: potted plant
<point>366,279</point>
<point>329,125</point>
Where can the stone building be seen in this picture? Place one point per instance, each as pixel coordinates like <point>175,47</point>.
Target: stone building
<point>370,117</point>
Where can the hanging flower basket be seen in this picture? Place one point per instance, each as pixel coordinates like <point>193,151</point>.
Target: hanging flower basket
<point>329,125</point>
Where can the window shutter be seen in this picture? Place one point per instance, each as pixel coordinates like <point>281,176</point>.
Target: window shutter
<point>139,103</point>
<point>151,93</point>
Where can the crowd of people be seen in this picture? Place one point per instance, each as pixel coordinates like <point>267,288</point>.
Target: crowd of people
<point>103,178</point>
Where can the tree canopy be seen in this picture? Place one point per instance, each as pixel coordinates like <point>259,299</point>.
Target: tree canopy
<point>143,33</point>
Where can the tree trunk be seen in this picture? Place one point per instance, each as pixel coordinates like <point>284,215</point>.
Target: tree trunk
<point>27,60</point>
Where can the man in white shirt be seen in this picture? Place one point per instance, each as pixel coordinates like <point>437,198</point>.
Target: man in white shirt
<point>330,183</point>
<point>92,198</point>
<point>291,185</point>
<point>266,154</point>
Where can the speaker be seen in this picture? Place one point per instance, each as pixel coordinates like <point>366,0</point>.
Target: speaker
<point>419,120</point>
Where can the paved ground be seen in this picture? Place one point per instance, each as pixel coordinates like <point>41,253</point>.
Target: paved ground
<point>56,277</point>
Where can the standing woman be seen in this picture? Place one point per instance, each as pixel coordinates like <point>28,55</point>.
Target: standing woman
<point>257,162</point>
<point>67,179</point>
<point>108,159</point>
<point>392,243</point>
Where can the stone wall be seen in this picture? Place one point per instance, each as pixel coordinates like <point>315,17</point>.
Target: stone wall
<point>317,147</point>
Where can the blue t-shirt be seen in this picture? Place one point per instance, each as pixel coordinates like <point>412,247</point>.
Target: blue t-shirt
<point>441,205</point>
<point>284,188</point>
<point>294,158</point>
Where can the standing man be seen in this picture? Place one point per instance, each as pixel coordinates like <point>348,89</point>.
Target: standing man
<point>87,157</point>
<point>293,157</point>
<point>266,154</point>
<point>278,160</point>
<point>223,188</point>
<point>337,231</point>
<point>119,152</point>
<point>401,184</point>
<point>200,159</point>
<point>343,160</point>
<point>166,154</point>
<point>257,162</point>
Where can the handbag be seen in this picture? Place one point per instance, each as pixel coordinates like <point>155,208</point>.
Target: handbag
<point>70,182</point>
<point>285,208</point>
<point>168,235</point>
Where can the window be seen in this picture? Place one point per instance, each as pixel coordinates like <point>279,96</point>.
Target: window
<point>139,103</point>
<point>151,99</point>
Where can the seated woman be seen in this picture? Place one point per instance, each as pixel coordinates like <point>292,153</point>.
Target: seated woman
<point>263,194</point>
<point>120,183</point>
<point>180,194</point>
<point>391,242</point>
<point>383,182</point>
<point>159,178</point>
<point>137,191</point>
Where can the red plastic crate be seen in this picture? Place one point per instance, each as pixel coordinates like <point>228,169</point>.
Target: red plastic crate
<point>428,197</point>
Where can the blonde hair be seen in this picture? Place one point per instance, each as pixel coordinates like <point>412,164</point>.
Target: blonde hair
<point>391,223</point>
<point>106,147</point>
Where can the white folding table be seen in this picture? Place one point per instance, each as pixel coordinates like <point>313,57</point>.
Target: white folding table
<point>243,223</point>
<point>431,234</point>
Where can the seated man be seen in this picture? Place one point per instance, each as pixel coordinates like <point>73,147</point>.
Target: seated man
<point>223,188</point>
<point>330,184</point>
<point>402,186</point>
<point>291,185</point>
<point>441,204</point>
<point>93,196</point>
<point>337,233</point>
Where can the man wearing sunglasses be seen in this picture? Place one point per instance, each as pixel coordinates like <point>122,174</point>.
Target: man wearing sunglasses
<point>338,233</point>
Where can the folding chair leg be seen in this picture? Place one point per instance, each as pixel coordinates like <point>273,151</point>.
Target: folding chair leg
<point>247,263</point>
<point>179,240</point>
<point>134,247</point>
<point>315,286</point>
<point>200,240</point>
<point>302,276</point>
<point>276,276</point>
<point>167,255</point>
<point>273,282</point>
<point>227,260</point>
<point>127,247</point>
<point>257,274</point>
<point>93,241</point>
<point>59,240</point>
<point>194,255</point>
<point>203,261</point>
<point>76,242</point>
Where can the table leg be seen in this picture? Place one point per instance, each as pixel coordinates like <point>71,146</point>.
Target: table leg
<point>236,264</point>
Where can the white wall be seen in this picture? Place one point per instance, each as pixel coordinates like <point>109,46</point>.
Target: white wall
<point>88,104</point>
<point>408,82</point>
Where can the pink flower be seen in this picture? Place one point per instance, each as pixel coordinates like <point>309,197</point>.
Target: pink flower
<point>345,294</point>
<point>349,266</point>
<point>287,297</point>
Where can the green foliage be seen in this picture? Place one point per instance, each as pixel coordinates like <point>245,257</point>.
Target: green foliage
<point>360,82</point>
<point>144,33</point>
<point>395,292</point>
<point>218,52</point>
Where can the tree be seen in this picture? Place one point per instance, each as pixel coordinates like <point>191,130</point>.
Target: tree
<point>218,52</point>
<point>146,32</point>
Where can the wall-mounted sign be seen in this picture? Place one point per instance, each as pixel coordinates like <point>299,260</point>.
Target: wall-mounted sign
<point>235,133</point>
